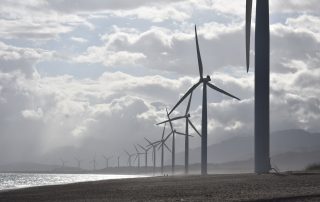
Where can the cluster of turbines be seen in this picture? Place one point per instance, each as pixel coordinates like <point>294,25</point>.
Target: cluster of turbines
<point>93,162</point>
<point>261,120</point>
<point>261,130</point>
<point>161,144</point>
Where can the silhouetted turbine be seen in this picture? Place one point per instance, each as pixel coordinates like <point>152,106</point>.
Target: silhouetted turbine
<point>129,158</point>
<point>162,145</point>
<point>204,126</point>
<point>145,149</point>
<point>137,155</point>
<point>262,74</point>
<point>78,162</point>
<point>154,145</point>
<point>186,134</point>
<point>63,162</point>
<point>107,160</point>
<point>94,162</point>
<point>118,161</point>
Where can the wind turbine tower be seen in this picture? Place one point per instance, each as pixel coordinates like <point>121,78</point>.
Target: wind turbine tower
<point>204,122</point>
<point>261,82</point>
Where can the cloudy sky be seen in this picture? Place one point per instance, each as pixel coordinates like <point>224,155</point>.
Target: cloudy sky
<point>84,77</point>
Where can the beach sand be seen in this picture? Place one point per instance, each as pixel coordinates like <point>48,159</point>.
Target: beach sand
<point>231,187</point>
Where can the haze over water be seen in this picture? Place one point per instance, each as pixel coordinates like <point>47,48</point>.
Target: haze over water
<point>21,180</point>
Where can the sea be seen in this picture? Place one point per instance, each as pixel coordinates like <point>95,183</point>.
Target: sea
<point>22,180</point>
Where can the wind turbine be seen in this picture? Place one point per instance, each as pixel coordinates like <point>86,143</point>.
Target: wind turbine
<point>145,149</point>
<point>94,162</point>
<point>107,160</point>
<point>261,82</point>
<point>129,158</point>
<point>63,162</point>
<point>162,145</point>
<point>118,161</point>
<point>204,122</point>
<point>137,155</point>
<point>154,146</point>
<point>78,161</point>
<point>186,134</point>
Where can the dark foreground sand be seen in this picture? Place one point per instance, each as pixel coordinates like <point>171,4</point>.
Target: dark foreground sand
<point>236,187</point>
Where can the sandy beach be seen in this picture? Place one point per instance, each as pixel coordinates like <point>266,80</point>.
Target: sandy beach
<point>231,187</point>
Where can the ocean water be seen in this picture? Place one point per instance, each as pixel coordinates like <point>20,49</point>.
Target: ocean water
<point>21,180</point>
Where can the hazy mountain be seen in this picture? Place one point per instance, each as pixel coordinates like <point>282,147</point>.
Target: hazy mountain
<point>290,150</point>
<point>282,162</point>
<point>242,148</point>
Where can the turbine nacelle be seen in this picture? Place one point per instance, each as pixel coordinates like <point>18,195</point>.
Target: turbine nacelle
<point>205,79</point>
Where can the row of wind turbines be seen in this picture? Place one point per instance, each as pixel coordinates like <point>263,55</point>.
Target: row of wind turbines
<point>261,106</point>
<point>261,129</point>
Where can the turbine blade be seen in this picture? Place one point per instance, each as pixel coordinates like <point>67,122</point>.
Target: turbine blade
<point>160,146</point>
<point>189,102</point>
<point>136,148</point>
<point>248,30</point>
<point>173,119</point>
<point>156,142</point>
<point>185,95</point>
<point>127,153</point>
<point>167,136</point>
<point>142,147</point>
<point>164,129</point>
<point>194,128</point>
<point>179,133</point>
<point>221,91</point>
<point>198,54</point>
<point>148,141</point>
<point>170,121</point>
<point>167,147</point>
<point>148,148</point>
<point>152,155</point>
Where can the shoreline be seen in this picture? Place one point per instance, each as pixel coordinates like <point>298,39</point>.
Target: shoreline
<point>224,187</point>
<point>70,179</point>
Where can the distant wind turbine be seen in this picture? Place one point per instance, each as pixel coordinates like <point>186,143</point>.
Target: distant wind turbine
<point>154,146</point>
<point>118,161</point>
<point>262,80</point>
<point>137,155</point>
<point>186,134</point>
<point>204,123</point>
<point>162,145</point>
<point>129,158</point>
<point>145,149</point>
<point>63,162</point>
<point>94,162</point>
<point>78,162</point>
<point>107,160</point>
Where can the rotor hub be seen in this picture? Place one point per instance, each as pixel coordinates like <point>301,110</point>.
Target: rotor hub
<point>206,79</point>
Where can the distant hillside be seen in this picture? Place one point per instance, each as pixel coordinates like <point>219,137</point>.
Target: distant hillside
<point>241,148</point>
<point>289,161</point>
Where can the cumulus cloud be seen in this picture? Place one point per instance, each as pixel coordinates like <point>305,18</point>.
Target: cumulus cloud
<point>173,50</point>
<point>96,5</point>
<point>79,39</point>
<point>149,65</point>
<point>32,114</point>
<point>44,23</point>
<point>21,59</point>
<point>296,6</point>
